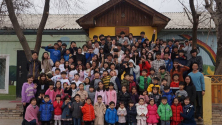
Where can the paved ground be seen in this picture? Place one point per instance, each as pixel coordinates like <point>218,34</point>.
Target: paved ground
<point>9,103</point>
<point>10,121</point>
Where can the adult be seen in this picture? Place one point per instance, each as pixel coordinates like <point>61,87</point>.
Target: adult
<point>198,80</point>
<point>31,113</point>
<point>73,48</point>
<point>190,89</point>
<point>188,48</point>
<point>158,62</point>
<point>136,57</point>
<point>144,64</point>
<point>134,69</point>
<point>28,92</point>
<point>79,56</point>
<point>195,58</point>
<point>34,66</point>
<point>168,62</point>
<point>164,74</point>
<point>55,53</point>
<point>46,63</point>
<point>178,69</point>
<point>123,38</point>
<point>42,83</point>
<point>105,46</point>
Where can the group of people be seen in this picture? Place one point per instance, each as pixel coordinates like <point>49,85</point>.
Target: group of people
<point>121,80</point>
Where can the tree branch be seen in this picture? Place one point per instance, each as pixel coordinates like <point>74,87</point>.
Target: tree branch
<point>188,15</point>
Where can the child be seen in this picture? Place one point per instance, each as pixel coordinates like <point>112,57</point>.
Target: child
<point>67,55</point>
<point>76,80</point>
<point>131,113</point>
<point>145,97</point>
<point>181,93</point>
<point>106,79</point>
<point>66,115</point>
<point>176,110</point>
<point>57,66</point>
<point>80,73</point>
<point>96,80</point>
<point>74,90</point>
<point>155,84</point>
<point>72,72</point>
<point>57,104</point>
<point>188,113</point>
<point>86,84</point>
<point>111,114</point>
<point>115,80</point>
<point>164,111</point>
<point>132,83</point>
<point>91,94</point>
<point>55,53</point>
<point>152,115</point>
<point>76,110</point>
<point>83,94</point>
<point>101,91</point>
<point>67,89</point>
<point>64,78</point>
<point>32,112</point>
<point>123,96</point>
<point>125,81</point>
<point>163,84</point>
<point>134,96</point>
<point>111,94</point>
<point>144,81</point>
<point>156,96</point>
<point>121,112</point>
<point>168,94</point>
<point>62,61</point>
<point>142,111</point>
<point>100,110</point>
<point>40,97</point>
<point>59,90</point>
<point>152,73</point>
<point>50,92</point>
<point>56,76</point>
<point>174,85</point>
<point>88,112</point>
<point>46,111</point>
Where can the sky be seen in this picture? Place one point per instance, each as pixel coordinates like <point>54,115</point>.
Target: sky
<point>89,5</point>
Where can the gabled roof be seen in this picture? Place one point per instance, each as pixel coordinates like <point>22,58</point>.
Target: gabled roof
<point>88,21</point>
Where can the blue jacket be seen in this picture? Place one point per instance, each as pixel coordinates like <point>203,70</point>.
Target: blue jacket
<point>131,115</point>
<point>46,111</point>
<point>188,115</point>
<point>89,56</point>
<point>111,116</point>
<point>66,112</point>
<point>67,56</point>
<point>55,55</point>
<point>169,64</point>
<point>170,96</point>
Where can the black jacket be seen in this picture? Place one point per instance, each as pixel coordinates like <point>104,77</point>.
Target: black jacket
<point>39,88</point>
<point>34,68</point>
<point>73,49</point>
<point>191,91</point>
<point>131,114</point>
<point>156,97</point>
<point>79,57</point>
<point>198,60</point>
<point>123,97</point>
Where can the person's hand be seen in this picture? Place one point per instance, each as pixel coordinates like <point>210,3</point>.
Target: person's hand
<point>69,106</point>
<point>80,106</point>
<point>48,57</point>
<point>74,53</point>
<point>122,114</point>
<point>39,97</point>
<point>181,65</point>
<point>173,39</point>
<point>24,103</point>
<point>154,31</point>
<point>50,45</point>
<point>126,66</point>
<point>203,93</point>
<point>177,56</point>
<point>35,86</point>
<point>102,55</point>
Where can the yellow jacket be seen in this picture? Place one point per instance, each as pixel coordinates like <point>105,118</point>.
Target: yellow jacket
<point>150,88</point>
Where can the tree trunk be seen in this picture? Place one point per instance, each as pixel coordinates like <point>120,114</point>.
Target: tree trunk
<point>18,29</point>
<point>194,35</point>
<point>42,26</point>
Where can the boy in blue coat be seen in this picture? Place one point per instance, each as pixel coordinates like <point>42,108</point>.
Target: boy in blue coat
<point>111,116</point>
<point>55,54</point>
<point>46,111</point>
<point>131,113</point>
<point>168,94</point>
<point>67,55</point>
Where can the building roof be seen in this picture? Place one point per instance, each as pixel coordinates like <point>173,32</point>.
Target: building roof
<point>179,20</point>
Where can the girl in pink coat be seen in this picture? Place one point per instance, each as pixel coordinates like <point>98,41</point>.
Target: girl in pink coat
<point>51,92</point>
<point>111,94</point>
<point>58,90</point>
<point>101,91</point>
<point>152,115</point>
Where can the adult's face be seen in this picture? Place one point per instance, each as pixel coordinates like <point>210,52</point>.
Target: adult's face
<point>34,56</point>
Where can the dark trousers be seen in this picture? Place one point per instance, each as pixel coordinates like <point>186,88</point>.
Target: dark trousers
<point>122,123</point>
<point>88,122</point>
<point>199,103</point>
<point>24,109</point>
<point>45,122</point>
<point>66,122</point>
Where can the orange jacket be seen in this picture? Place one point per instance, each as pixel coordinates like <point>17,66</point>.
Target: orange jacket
<point>88,112</point>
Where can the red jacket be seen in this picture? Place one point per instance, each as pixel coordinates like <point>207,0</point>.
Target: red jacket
<point>146,66</point>
<point>57,108</point>
<point>88,112</point>
<point>131,84</point>
<point>174,85</point>
<point>176,112</point>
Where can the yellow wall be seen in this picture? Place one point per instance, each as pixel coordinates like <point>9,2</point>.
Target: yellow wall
<point>207,102</point>
<point>132,29</point>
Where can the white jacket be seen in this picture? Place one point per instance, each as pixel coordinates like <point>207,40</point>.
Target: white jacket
<point>141,109</point>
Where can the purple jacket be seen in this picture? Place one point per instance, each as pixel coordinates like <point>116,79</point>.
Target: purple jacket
<point>28,92</point>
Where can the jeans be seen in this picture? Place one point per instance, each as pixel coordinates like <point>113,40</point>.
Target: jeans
<point>199,103</point>
<point>165,122</point>
<point>77,121</point>
<point>33,122</point>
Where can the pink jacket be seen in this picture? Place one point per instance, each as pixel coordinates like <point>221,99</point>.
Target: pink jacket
<point>153,115</point>
<point>146,98</point>
<point>103,94</point>
<point>51,94</point>
<point>31,113</point>
<point>58,92</point>
<point>111,96</point>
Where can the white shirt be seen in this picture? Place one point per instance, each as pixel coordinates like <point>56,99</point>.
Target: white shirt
<point>61,69</point>
<point>63,81</point>
<point>71,74</point>
<point>56,78</point>
<point>77,83</point>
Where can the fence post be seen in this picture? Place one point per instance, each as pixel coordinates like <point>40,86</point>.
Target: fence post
<point>207,102</point>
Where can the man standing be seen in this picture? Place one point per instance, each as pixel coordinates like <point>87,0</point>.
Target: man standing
<point>34,67</point>
<point>198,80</point>
<point>195,58</point>
<point>123,38</point>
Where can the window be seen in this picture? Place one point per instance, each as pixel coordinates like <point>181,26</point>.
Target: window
<point>4,73</point>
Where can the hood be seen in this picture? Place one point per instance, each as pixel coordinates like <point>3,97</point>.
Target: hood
<point>49,102</point>
<point>167,93</point>
<point>132,62</point>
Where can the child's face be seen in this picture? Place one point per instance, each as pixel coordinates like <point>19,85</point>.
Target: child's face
<point>96,75</point>
<point>186,101</point>
<point>155,81</point>
<point>166,91</point>
<point>162,70</point>
<point>112,106</point>
<point>73,86</point>
<point>123,89</point>
<point>175,78</point>
<point>152,72</point>
<point>155,91</point>
<point>166,56</point>
<point>176,101</point>
<point>144,73</point>
<point>81,87</point>
<point>131,78</point>
<point>112,67</point>
<point>62,61</point>
<point>88,101</point>
<point>91,89</point>
<point>100,85</point>
<point>99,100</point>
<point>164,82</point>
<point>76,77</point>
<point>63,76</point>
<point>43,78</point>
<point>152,102</point>
<point>181,54</point>
<point>58,98</point>
<point>105,74</point>
<point>133,90</point>
<point>51,87</point>
<point>127,77</point>
<point>58,85</point>
<point>122,106</point>
<point>46,99</point>
<point>112,74</point>
<point>181,87</point>
<point>131,104</point>
<point>67,52</point>
<point>57,64</point>
<point>57,72</point>
<point>164,101</point>
<point>30,80</point>
<point>65,85</point>
<point>33,102</point>
<point>41,95</point>
<point>145,93</point>
<point>77,98</point>
<point>141,102</point>
<point>111,87</point>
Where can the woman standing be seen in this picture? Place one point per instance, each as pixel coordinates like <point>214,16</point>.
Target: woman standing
<point>42,83</point>
<point>178,69</point>
<point>32,112</point>
<point>191,89</point>
<point>46,63</point>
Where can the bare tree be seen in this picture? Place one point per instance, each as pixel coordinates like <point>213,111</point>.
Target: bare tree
<point>214,7</point>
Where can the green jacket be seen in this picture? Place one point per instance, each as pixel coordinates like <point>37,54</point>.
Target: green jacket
<point>125,83</point>
<point>165,112</point>
<point>142,85</point>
